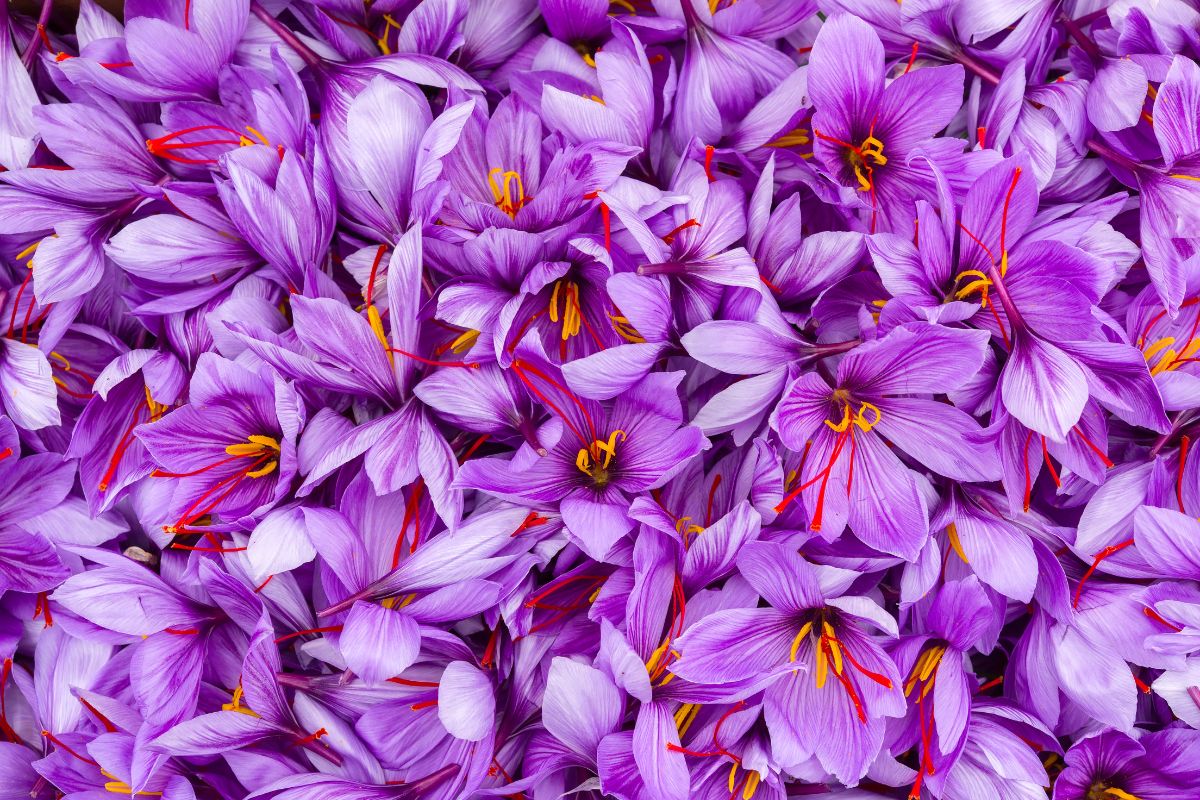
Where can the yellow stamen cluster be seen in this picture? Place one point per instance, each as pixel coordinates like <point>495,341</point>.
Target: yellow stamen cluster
<point>685,528</point>
<point>752,781</point>
<point>656,665</point>
<point>923,669</point>
<point>235,704</point>
<point>866,418</point>
<point>595,459</point>
<point>869,153</point>
<point>981,283</point>
<point>257,447</point>
<point>626,330</point>
<point>1170,360</point>
<point>685,715</point>
<point>503,183</point>
<point>156,408</point>
<point>571,315</point>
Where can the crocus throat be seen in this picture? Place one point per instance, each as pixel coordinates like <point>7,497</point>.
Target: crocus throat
<point>508,190</point>
<point>830,651</point>
<point>1098,791</point>
<point>594,460</point>
<point>864,420</point>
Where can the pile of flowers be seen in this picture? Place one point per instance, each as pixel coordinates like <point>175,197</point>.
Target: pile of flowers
<point>649,399</point>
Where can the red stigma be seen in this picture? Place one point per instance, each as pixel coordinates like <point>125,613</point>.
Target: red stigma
<point>1103,554</point>
<point>165,146</point>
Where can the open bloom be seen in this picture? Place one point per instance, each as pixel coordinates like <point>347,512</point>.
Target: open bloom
<point>834,686</point>
<point>874,140</point>
<point>604,456</point>
<point>231,451</point>
<point>848,472</point>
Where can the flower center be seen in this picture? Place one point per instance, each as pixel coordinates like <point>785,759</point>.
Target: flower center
<point>594,460</point>
<point>261,449</point>
<point>832,654</point>
<point>507,190</point>
<point>864,159</point>
<point>1098,791</point>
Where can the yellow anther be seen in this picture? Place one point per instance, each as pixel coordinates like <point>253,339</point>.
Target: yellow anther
<point>388,24</point>
<point>656,657</point>
<point>571,316</point>
<point>804,631</point>
<point>61,359</point>
<point>935,658</point>
<point>1183,177</point>
<point>263,471</point>
<point>685,716</point>
<point>822,667</point>
<point>609,448</point>
<point>465,341</point>
<point>751,785</point>
<point>156,408</point>
<point>1120,794</point>
<point>844,424</point>
<point>376,323</point>
<point>625,4</point>
<point>793,138</point>
<point>734,766</point>
<point>868,416</point>
<point>28,251</point>
<point>1158,346</point>
<point>257,135</point>
<point>121,787</point>
<point>835,649</point>
<point>595,98</point>
<point>236,704</point>
<point>952,535</point>
<point>583,461</point>
<point>864,181</point>
<point>625,330</point>
<point>255,445</point>
<point>872,148</point>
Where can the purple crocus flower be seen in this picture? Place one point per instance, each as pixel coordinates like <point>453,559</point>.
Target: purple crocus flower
<point>835,710</point>
<point>867,134</point>
<point>603,456</point>
<point>1110,763</point>
<point>848,474</point>
<point>231,451</point>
